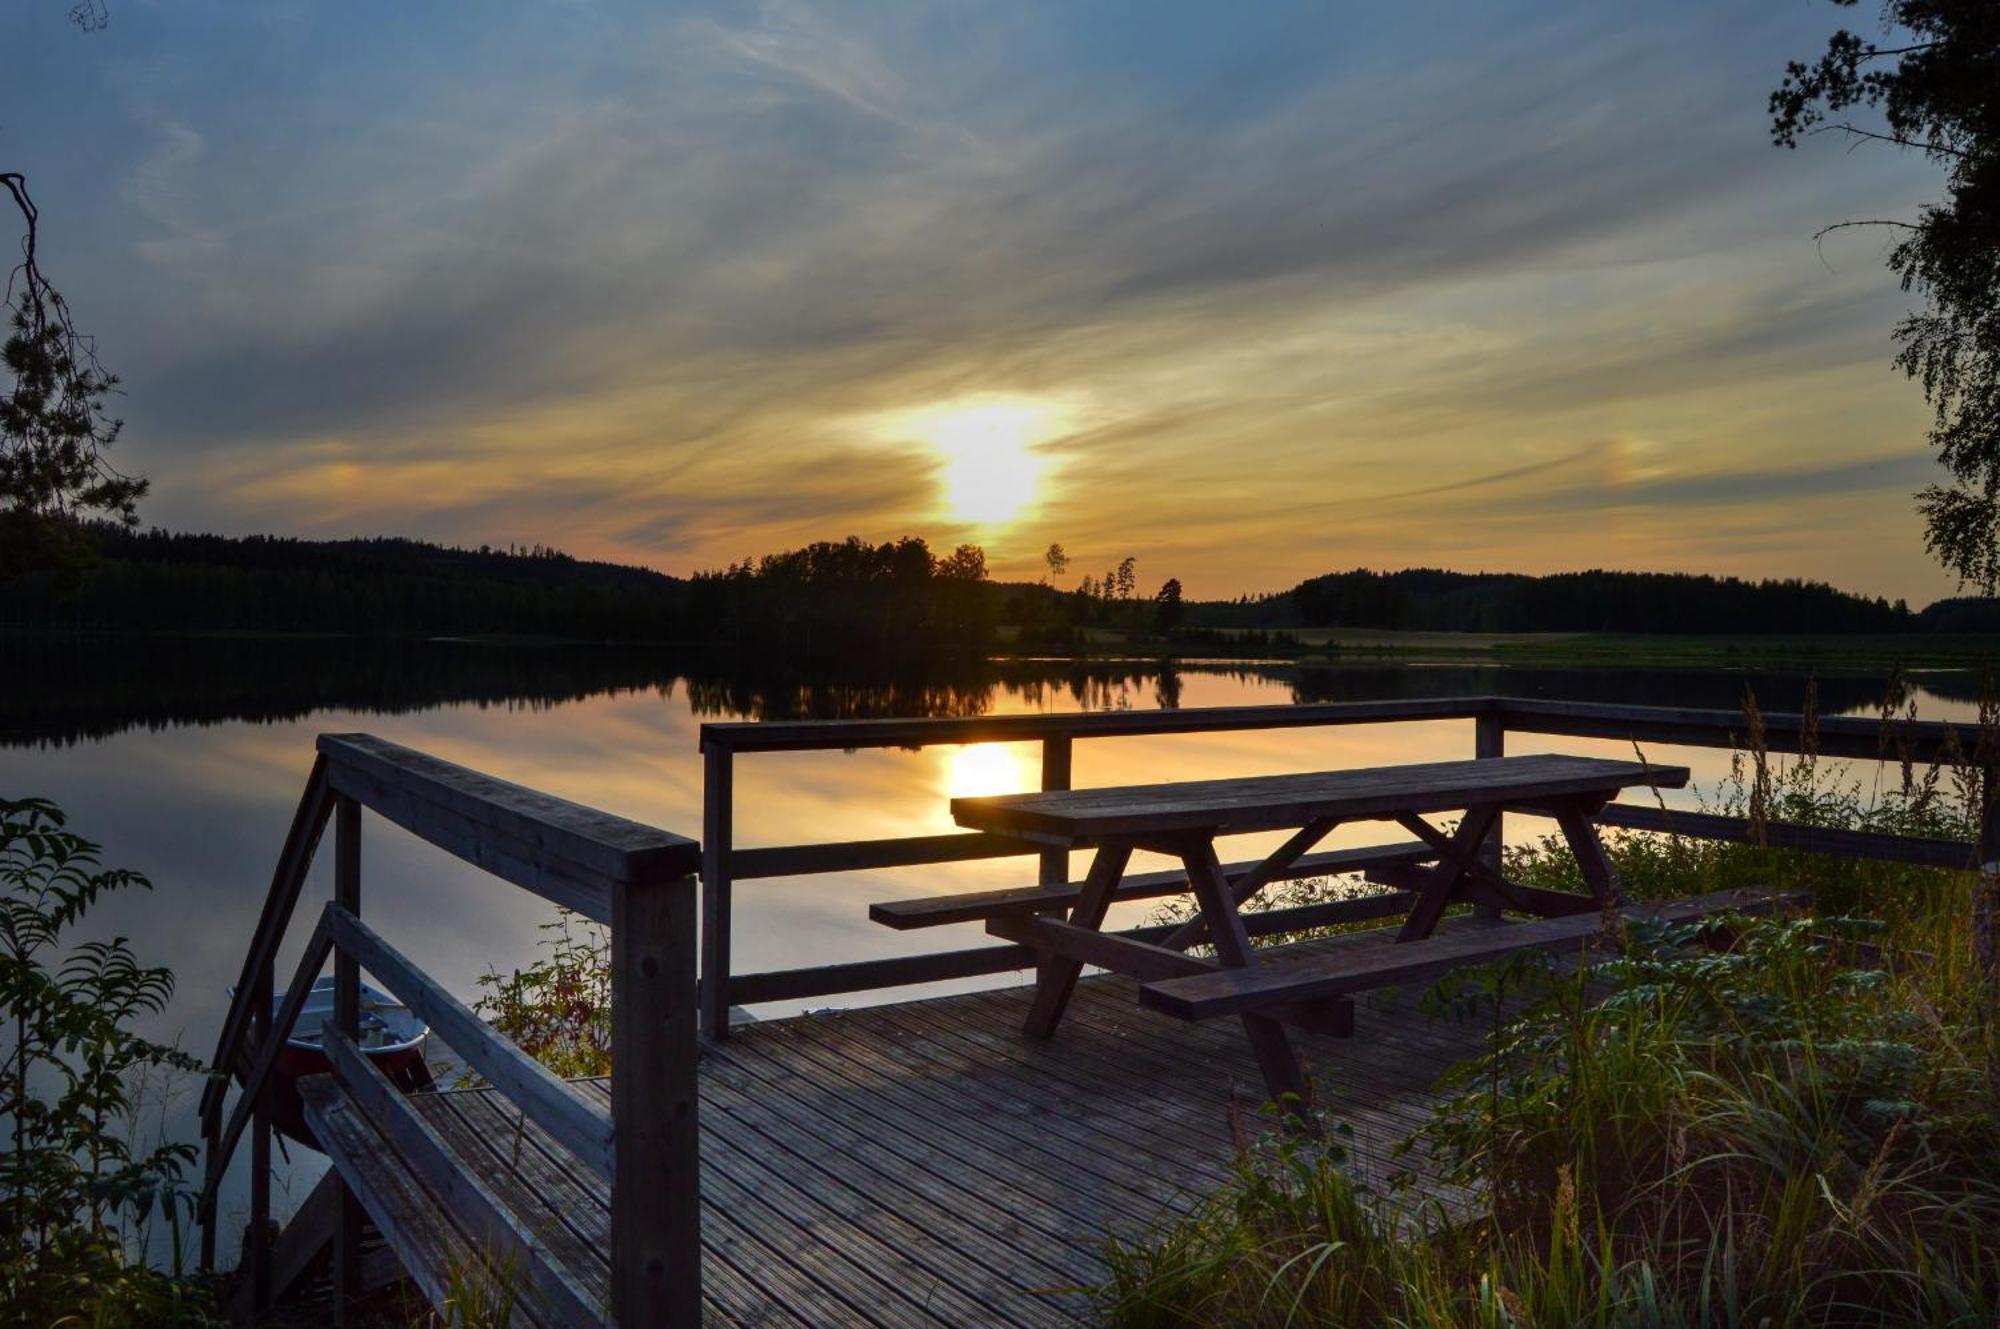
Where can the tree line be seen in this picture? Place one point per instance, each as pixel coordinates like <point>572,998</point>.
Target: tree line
<point>1431,599</point>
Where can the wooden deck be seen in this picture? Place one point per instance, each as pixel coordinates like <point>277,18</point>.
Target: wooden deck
<point>925,1164</point>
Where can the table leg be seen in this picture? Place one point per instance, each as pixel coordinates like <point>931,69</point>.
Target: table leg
<point>1598,874</point>
<point>1195,930</point>
<point>1055,976</point>
<point>1455,860</point>
<point>1268,1039</point>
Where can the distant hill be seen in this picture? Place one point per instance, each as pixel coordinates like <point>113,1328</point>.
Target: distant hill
<point>1431,599</point>
<point>162,581</point>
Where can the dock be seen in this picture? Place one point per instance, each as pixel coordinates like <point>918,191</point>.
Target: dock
<point>908,1162</point>
<point>923,1164</point>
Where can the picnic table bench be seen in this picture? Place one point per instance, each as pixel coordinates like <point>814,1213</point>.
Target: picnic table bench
<point>1183,819</point>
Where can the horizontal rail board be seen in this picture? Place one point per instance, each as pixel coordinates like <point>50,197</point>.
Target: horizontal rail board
<point>580,1126</point>
<point>836,735</point>
<point>462,1198</point>
<point>1790,835</point>
<point>800,860</point>
<point>971,906</point>
<point>1834,736</point>
<point>612,846</point>
<point>512,860</point>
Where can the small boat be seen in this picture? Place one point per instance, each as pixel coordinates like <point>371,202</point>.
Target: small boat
<point>391,1036</point>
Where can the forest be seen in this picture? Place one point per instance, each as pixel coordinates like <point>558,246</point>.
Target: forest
<point>1434,600</point>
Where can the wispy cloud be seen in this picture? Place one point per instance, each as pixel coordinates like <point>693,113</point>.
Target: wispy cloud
<point>1329,288</point>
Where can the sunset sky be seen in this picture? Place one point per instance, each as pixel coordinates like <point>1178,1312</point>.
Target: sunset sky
<point>1248,292</point>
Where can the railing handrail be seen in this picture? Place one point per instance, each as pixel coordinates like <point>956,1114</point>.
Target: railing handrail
<point>635,879</point>
<point>1893,739</point>
<point>1837,735</point>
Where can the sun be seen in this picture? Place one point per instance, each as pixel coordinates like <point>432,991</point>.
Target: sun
<point>991,465</point>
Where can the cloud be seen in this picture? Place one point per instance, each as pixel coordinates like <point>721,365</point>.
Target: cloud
<point>614,278</point>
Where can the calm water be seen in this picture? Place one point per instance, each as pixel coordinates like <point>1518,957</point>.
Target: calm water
<point>185,759</point>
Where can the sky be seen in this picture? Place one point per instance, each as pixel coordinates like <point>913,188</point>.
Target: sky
<point>1246,292</point>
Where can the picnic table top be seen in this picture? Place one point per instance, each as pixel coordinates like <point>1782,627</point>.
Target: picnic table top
<point>1270,802</point>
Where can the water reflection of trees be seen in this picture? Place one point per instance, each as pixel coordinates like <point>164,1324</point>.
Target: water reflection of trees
<point>61,690</point>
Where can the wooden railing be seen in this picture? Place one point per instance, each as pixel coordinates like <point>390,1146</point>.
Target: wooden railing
<point>636,880</point>
<point>723,864</point>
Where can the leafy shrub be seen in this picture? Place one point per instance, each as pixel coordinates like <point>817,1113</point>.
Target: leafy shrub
<point>558,1009</point>
<point>79,1196</point>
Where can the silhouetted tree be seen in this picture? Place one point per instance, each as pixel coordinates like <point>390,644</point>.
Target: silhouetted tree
<point>1167,606</point>
<point>1935,81</point>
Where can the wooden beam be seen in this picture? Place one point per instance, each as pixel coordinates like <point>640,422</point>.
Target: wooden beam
<point>346,1288</point>
<point>581,1127</point>
<point>1833,736</point>
<point>294,860</point>
<point>606,846</point>
<point>718,859</point>
<point>804,860</point>
<point>1236,991</point>
<point>838,735</point>
<point>1838,842</point>
<point>975,906</point>
<point>1276,867</point>
<point>259,1071</point>
<point>656,1184</point>
<point>1057,974</point>
<point>462,1199</point>
<point>1115,951</point>
<point>1489,743</point>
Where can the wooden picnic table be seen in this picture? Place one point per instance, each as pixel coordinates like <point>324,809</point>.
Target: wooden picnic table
<point>1183,819</point>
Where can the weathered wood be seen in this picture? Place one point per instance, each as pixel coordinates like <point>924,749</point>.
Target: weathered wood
<point>863,975</point>
<point>1276,866</point>
<point>656,1188</point>
<point>718,857</point>
<point>513,860</point>
<point>257,1239</point>
<point>462,1199</point>
<point>1158,811</point>
<point>266,1058</point>
<point>607,846</point>
<point>1832,736</point>
<point>839,735</point>
<point>1591,860</point>
<point>1440,885</point>
<point>287,878</point>
<point>1057,761</point>
<point>1836,841</point>
<point>347,1020</point>
<point>973,906</point>
<point>428,1247</point>
<point>1275,1055</point>
<point>581,1127</point>
<point>1058,973</point>
<point>1489,741</point>
<point>1235,991</point>
<point>804,860</point>
<point>1108,950</point>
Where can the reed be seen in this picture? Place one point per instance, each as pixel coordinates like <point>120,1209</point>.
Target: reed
<point>1793,1127</point>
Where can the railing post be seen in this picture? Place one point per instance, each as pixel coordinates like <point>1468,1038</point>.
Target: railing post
<point>211,1148</point>
<point>257,1237</point>
<point>347,1018</point>
<point>656,1177</point>
<point>1056,750</point>
<point>717,804</point>
<point>1489,739</point>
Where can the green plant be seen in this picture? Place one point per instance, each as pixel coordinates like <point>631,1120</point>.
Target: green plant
<point>558,1009</point>
<point>79,1196</point>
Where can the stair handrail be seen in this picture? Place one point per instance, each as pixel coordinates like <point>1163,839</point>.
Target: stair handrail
<point>637,880</point>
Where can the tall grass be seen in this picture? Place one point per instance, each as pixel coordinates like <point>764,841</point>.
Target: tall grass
<point>1737,1128</point>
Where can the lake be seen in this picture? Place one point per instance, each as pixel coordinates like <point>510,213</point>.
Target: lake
<point>186,757</point>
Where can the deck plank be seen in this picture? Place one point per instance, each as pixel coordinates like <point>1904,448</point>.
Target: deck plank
<point>924,1163</point>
